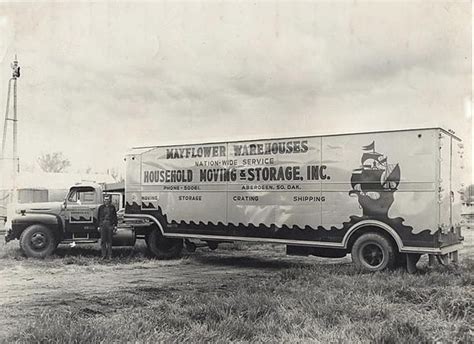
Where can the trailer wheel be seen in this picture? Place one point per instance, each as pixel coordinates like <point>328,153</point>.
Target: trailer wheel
<point>38,241</point>
<point>373,252</point>
<point>164,248</point>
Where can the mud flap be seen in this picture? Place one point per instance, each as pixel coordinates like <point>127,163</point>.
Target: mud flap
<point>412,259</point>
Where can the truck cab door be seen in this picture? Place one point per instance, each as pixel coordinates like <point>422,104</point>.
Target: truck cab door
<point>80,209</point>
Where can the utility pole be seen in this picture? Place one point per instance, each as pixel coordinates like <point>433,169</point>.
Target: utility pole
<point>15,159</point>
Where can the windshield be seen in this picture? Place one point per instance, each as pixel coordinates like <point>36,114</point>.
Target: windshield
<point>82,195</point>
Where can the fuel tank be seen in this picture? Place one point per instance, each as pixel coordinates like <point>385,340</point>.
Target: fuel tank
<point>124,237</point>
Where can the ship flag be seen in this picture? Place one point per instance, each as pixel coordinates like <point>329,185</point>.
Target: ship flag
<point>369,147</point>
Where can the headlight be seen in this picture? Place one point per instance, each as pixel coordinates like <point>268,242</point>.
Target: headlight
<point>8,225</point>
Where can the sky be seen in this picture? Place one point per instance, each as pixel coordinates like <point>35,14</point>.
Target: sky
<point>100,78</point>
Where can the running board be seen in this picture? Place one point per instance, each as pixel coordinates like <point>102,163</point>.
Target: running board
<point>80,240</point>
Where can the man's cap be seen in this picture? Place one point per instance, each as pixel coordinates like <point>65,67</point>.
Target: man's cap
<point>107,197</point>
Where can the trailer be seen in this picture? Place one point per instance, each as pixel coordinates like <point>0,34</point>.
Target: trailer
<point>384,197</point>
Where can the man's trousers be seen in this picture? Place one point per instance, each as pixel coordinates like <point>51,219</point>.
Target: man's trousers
<point>106,230</point>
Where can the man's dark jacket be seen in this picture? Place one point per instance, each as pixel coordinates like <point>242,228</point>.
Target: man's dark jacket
<point>107,213</point>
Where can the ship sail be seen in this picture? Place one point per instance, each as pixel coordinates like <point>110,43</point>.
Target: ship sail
<point>392,177</point>
<point>366,156</point>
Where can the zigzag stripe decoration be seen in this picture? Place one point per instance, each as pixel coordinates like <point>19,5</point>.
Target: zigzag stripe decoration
<point>333,234</point>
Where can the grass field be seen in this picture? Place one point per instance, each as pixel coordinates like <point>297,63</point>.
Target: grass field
<point>253,294</point>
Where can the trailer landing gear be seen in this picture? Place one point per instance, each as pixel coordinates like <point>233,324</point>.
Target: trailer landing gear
<point>191,247</point>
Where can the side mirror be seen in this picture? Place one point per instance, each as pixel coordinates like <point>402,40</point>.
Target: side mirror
<point>64,206</point>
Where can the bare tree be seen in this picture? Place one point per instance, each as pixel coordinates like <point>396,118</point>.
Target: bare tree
<point>115,174</point>
<point>54,162</point>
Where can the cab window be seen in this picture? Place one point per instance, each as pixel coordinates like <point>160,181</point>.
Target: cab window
<point>84,195</point>
<point>115,200</point>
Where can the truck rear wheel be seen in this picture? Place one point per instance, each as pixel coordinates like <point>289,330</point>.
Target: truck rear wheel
<point>164,248</point>
<point>373,252</point>
<point>38,241</point>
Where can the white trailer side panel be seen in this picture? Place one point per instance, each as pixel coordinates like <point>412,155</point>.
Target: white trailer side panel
<point>181,191</point>
<point>296,190</point>
<point>273,188</point>
<point>414,201</point>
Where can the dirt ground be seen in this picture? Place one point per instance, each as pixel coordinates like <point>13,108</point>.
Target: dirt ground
<point>77,277</point>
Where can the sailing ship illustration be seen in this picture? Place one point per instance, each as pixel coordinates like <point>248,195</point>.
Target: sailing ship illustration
<point>375,182</point>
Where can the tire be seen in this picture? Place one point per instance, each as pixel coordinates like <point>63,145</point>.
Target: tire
<point>164,248</point>
<point>38,241</point>
<point>373,252</point>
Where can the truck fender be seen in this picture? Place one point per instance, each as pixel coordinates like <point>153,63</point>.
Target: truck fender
<point>150,217</point>
<point>20,223</point>
<point>365,225</point>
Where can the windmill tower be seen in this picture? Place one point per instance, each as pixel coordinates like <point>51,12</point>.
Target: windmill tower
<point>14,119</point>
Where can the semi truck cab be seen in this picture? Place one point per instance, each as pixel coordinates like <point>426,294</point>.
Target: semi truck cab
<point>41,227</point>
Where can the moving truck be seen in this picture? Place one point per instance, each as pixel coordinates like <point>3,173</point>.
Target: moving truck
<point>385,197</point>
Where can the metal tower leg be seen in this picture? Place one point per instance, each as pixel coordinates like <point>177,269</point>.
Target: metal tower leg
<point>5,125</point>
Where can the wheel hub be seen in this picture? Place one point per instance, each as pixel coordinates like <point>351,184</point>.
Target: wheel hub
<point>38,240</point>
<point>372,255</point>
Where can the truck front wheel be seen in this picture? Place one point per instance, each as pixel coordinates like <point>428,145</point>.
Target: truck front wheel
<point>373,252</point>
<point>164,248</point>
<point>38,241</point>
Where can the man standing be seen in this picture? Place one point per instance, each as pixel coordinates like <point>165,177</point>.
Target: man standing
<point>107,218</point>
